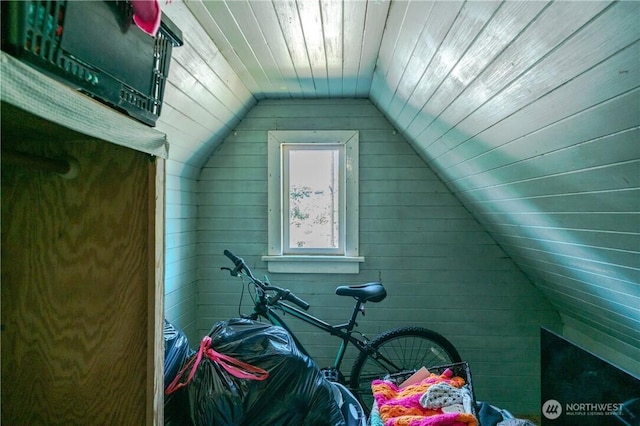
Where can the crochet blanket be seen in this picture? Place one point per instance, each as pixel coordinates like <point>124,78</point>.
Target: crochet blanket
<point>401,406</point>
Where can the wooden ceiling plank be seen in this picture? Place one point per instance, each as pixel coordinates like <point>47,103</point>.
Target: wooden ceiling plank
<point>545,32</point>
<point>314,39</point>
<point>375,24</point>
<point>332,21</point>
<point>558,69</point>
<point>412,28</point>
<point>255,38</point>
<point>471,20</point>
<point>242,45</point>
<point>203,14</point>
<point>509,21</point>
<point>267,19</point>
<point>353,28</point>
<point>291,28</point>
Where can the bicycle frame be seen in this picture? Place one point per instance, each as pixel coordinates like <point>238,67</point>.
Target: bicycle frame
<point>342,331</point>
<point>382,351</point>
<point>266,306</point>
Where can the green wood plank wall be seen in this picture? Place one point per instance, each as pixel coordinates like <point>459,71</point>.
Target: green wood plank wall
<point>441,269</point>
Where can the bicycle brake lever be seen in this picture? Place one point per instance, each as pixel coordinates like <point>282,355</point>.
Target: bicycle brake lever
<point>233,272</point>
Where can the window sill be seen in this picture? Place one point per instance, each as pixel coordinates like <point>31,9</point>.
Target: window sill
<point>313,264</point>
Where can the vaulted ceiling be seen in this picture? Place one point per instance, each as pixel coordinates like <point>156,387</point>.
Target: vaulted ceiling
<point>528,110</point>
<point>304,49</point>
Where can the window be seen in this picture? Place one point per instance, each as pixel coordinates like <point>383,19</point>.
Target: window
<point>313,201</point>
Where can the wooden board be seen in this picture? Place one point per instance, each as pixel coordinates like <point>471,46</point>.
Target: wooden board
<point>32,91</point>
<point>76,299</point>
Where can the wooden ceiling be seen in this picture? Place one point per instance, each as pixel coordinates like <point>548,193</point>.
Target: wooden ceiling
<point>304,49</point>
<point>528,111</point>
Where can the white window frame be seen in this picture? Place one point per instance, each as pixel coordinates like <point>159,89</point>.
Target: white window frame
<point>348,262</point>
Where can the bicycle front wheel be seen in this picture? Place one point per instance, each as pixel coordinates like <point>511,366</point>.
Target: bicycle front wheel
<point>397,351</point>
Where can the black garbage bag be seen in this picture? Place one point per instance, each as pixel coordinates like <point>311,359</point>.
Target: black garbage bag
<point>295,393</point>
<point>176,351</point>
<point>210,388</point>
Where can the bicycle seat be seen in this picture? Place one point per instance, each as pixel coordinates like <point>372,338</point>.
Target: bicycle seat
<point>370,292</point>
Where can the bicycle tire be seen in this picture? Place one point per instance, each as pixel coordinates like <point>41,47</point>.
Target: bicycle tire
<point>397,351</point>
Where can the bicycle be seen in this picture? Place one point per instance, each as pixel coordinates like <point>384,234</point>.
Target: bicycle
<point>395,352</point>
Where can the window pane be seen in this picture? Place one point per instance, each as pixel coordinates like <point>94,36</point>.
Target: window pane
<point>313,198</point>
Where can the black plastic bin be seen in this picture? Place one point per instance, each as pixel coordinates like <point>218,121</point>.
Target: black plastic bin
<point>96,48</point>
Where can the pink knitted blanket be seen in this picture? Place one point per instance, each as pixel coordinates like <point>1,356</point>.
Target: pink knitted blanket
<point>401,407</point>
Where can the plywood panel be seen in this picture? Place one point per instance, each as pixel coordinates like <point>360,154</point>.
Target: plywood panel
<point>75,271</point>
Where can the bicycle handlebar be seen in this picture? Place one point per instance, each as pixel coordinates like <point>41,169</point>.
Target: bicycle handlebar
<point>284,294</point>
<point>295,300</point>
<point>238,262</point>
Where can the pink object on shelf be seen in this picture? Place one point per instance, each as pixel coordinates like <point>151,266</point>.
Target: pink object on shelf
<point>147,15</point>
